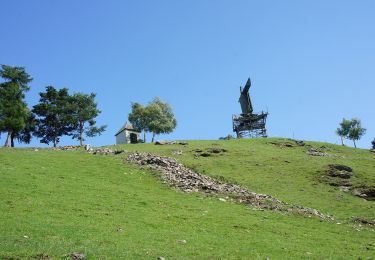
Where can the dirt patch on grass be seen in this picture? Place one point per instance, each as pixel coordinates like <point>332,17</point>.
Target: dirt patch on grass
<point>340,176</point>
<point>364,221</point>
<point>339,171</point>
<point>208,152</point>
<point>177,175</point>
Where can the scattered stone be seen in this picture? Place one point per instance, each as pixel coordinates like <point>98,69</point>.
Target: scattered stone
<point>368,193</point>
<point>300,143</point>
<point>183,143</point>
<point>315,152</point>
<point>36,150</point>
<point>177,175</point>
<point>41,257</point>
<point>216,150</point>
<point>364,221</point>
<point>205,154</point>
<point>160,258</point>
<point>223,200</point>
<point>119,229</point>
<point>88,148</point>
<point>67,148</point>
<point>344,188</point>
<point>340,171</point>
<point>103,151</point>
<point>119,151</point>
<point>177,152</point>
<point>283,144</point>
<point>77,256</point>
<point>164,142</point>
<point>228,137</point>
<point>25,236</point>
<point>181,241</point>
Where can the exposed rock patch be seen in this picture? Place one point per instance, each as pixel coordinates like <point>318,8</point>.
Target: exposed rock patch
<point>176,175</point>
<point>318,152</point>
<point>364,221</point>
<point>67,148</point>
<point>340,171</point>
<point>209,152</point>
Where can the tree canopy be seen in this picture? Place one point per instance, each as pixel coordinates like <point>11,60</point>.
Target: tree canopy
<point>350,129</point>
<point>84,113</point>
<point>53,115</point>
<point>14,113</point>
<point>156,117</point>
<point>356,130</point>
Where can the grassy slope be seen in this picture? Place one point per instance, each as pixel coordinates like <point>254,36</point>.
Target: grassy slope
<point>67,201</point>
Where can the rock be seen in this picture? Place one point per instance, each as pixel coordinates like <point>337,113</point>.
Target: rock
<point>160,258</point>
<point>164,142</point>
<point>77,256</point>
<point>300,143</point>
<point>103,151</point>
<point>67,148</point>
<point>372,150</point>
<point>364,220</point>
<point>36,150</point>
<point>205,154</point>
<point>340,171</point>
<point>87,147</point>
<point>181,241</point>
<point>177,175</point>
<point>216,150</point>
<point>314,152</point>
<point>177,152</point>
<point>183,143</point>
<point>223,200</point>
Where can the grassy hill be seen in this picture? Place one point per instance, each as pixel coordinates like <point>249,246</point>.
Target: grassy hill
<point>57,202</point>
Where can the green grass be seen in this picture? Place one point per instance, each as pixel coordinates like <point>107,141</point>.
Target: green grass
<point>71,201</point>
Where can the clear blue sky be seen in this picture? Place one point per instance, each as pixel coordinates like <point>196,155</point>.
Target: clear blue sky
<point>311,62</point>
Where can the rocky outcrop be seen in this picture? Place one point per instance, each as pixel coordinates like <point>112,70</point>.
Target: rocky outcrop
<point>177,175</point>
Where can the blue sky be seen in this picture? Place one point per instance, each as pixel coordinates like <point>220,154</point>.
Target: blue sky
<point>311,62</point>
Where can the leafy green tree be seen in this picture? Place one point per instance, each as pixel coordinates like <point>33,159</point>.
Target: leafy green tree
<point>343,130</point>
<point>53,115</point>
<point>161,118</point>
<point>25,135</point>
<point>13,109</point>
<point>356,130</point>
<point>139,118</point>
<point>84,113</point>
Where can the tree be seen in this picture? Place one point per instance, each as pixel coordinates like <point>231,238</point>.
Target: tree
<point>13,109</point>
<point>157,117</point>
<point>53,115</point>
<point>139,118</point>
<point>356,131</point>
<point>373,144</point>
<point>25,135</point>
<point>343,130</point>
<point>84,113</point>
<point>161,118</point>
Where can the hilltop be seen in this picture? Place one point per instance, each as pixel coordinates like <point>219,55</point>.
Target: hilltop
<point>55,202</point>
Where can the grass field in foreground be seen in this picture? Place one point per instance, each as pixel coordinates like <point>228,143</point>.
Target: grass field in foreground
<point>57,202</point>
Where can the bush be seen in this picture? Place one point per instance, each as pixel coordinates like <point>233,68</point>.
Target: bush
<point>373,144</point>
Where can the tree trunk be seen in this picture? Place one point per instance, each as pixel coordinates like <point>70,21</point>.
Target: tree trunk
<point>54,142</point>
<point>355,146</point>
<point>12,140</point>
<point>80,133</point>
<point>8,141</point>
<point>144,136</point>
<point>153,137</point>
<point>342,141</point>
